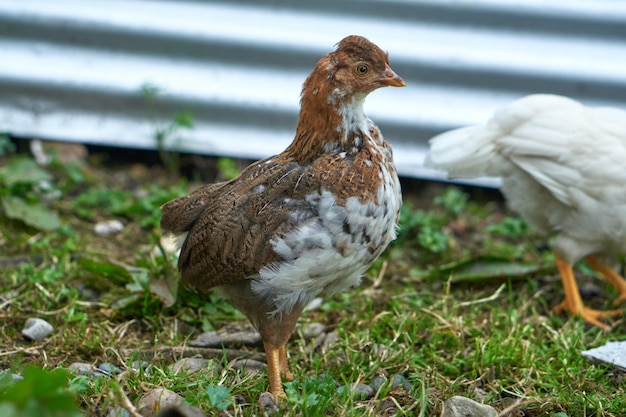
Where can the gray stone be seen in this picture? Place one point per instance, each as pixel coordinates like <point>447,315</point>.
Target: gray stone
<point>378,350</point>
<point>362,391</point>
<point>378,382</point>
<point>458,406</point>
<point>319,341</point>
<point>313,330</point>
<point>269,404</point>
<point>188,365</point>
<point>612,353</point>
<point>395,381</point>
<point>36,329</point>
<point>398,380</point>
<point>83,368</point>
<point>137,365</point>
<point>248,337</point>
<point>156,400</point>
<point>181,410</point>
<point>109,368</point>
<point>109,227</point>
<point>118,412</point>
<point>248,365</point>
<point>331,339</point>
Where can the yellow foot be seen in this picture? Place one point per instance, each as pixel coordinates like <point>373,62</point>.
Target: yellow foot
<point>590,315</point>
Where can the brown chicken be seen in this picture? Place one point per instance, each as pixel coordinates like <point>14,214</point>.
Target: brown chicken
<point>306,222</point>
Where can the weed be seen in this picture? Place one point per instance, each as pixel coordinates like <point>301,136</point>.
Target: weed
<point>218,397</point>
<point>167,135</point>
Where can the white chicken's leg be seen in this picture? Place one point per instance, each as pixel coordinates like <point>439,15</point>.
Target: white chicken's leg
<point>610,275</point>
<point>573,303</point>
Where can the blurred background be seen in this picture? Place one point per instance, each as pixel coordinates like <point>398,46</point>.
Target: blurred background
<point>223,78</point>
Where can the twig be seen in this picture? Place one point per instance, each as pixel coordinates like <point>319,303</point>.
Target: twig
<point>186,352</point>
<point>127,404</point>
<point>492,297</point>
<point>520,402</point>
<point>381,274</point>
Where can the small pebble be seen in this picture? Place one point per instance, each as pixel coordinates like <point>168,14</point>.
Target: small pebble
<point>313,330</point>
<point>330,339</point>
<point>378,350</point>
<point>14,377</point>
<point>378,382</point>
<point>240,399</point>
<point>269,404</point>
<point>36,329</point>
<point>226,339</point>
<point>458,406</point>
<point>362,391</point>
<point>188,365</point>
<point>109,227</point>
<point>137,365</point>
<point>156,400</point>
<point>398,380</point>
<point>394,382</point>
<point>248,365</point>
<point>319,341</point>
<point>181,410</point>
<point>83,368</point>
<point>109,368</point>
<point>118,412</point>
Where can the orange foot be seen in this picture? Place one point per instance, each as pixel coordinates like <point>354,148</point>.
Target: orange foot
<point>590,315</point>
<point>610,275</point>
<point>573,303</point>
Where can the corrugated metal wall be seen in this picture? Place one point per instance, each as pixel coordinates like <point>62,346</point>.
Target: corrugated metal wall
<point>75,70</point>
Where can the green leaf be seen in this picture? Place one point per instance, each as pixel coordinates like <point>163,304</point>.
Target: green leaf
<point>485,268</point>
<point>218,396</point>
<point>116,273</point>
<point>183,120</point>
<point>22,170</point>
<point>33,214</point>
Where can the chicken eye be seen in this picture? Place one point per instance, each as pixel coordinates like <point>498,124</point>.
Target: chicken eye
<point>362,69</point>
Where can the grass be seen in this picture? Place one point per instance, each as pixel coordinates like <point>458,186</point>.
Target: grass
<point>460,304</point>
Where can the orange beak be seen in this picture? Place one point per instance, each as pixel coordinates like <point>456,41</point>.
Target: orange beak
<point>391,79</point>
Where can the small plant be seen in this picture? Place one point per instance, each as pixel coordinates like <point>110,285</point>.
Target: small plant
<point>513,227</point>
<point>423,227</point>
<point>25,190</point>
<point>166,135</point>
<point>452,199</point>
<point>311,396</point>
<point>6,146</point>
<point>40,393</point>
<point>218,397</point>
<point>227,168</point>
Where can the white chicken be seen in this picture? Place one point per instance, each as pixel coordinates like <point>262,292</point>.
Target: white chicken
<point>563,167</point>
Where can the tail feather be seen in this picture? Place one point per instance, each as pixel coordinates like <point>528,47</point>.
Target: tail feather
<point>467,152</point>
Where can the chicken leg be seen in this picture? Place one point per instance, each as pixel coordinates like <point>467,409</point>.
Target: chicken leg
<point>610,275</point>
<point>276,368</point>
<point>573,303</point>
<point>273,355</point>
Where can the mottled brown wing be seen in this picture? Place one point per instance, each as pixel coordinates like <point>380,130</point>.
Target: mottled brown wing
<point>234,223</point>
<point>179,215</point>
